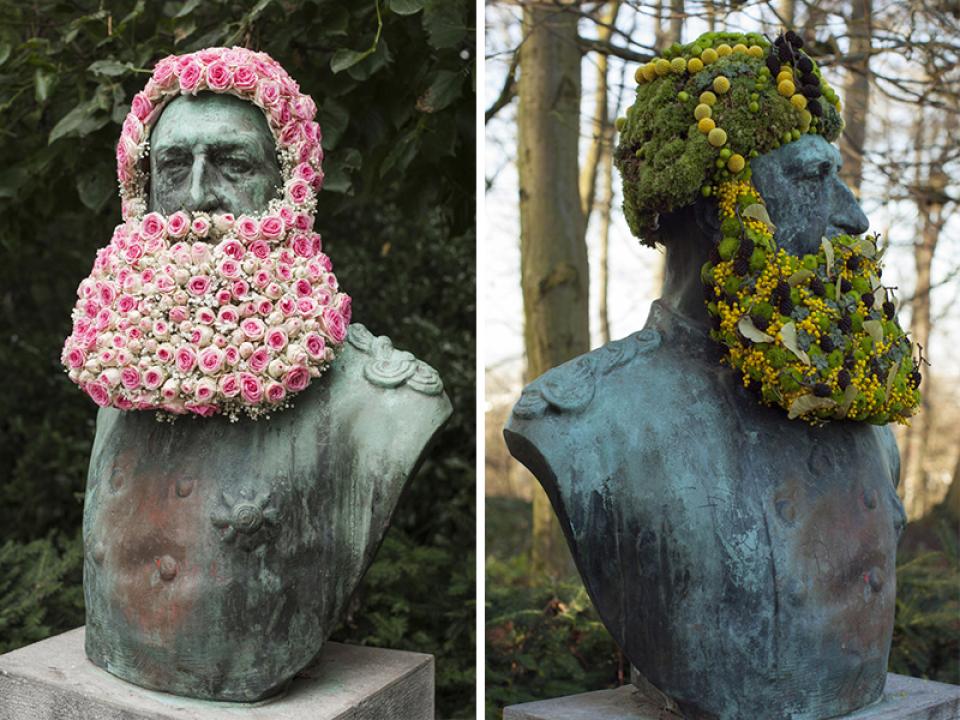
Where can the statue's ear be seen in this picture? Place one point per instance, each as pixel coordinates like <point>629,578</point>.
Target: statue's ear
<point>707,216</point>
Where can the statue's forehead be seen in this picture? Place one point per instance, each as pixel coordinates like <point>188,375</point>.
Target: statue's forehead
<point>206,118</point>
<point>794,158</point>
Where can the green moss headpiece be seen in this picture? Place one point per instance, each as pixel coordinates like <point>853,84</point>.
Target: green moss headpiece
<point>704,108</point>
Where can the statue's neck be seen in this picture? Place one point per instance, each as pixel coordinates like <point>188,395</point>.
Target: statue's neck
<point>682,289</point>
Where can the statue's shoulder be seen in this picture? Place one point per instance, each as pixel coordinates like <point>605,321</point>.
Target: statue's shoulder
<point>577,387</point>
<point>371,369</point>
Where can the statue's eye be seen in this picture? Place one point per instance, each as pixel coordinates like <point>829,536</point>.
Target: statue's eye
<point>818,171</point>
<point>174,164</point>
<point>237,165</point>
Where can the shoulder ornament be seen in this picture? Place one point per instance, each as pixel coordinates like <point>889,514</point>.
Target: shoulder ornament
<point>388,367</point>
<point>571,386</point>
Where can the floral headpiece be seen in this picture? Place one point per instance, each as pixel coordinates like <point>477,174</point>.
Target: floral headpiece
<point>207,314</point>
<point>816,335</point>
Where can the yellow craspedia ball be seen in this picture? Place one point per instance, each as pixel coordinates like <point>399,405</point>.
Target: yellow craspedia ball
<point>638,76</point>
<point>736,163</point>
<point>798,101</point>
<point>786,88</point>
<point>702,111</point>
<point>694,65</point>
<point>709,56</point>
<point>678,65</point>
<point>784,75</point>
<point>649,71</point>
<point>621,123</point>
<point>756,51</point>
<point>706,125</point>
<point>806,117</point>
<point>721,84</point>
<point>723,50</point>
<point>717,137</point>
<point>740,48</point>
<point>662,66</point>
<point>708,98</point>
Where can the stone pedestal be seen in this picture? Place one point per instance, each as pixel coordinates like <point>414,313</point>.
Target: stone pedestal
<point>904,698</point>
<point>53,680</point>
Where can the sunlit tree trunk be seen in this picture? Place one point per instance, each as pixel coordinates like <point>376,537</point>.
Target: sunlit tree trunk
<point>676,21</point>
<point>857,96</point>
<point>606,208</point>
<point>601,116</point>
<point>553,253</point>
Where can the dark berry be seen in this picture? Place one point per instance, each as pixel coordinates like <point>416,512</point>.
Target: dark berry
<point>761,323</point>
<point>916,377</point>
<point>845,285</point>
<point>867,299</point>
<point>846,324</point>
<point>816,286</point>
<point>815,109</point>
<point>715,322</point>
<point>780,41</point>
<point>785,53</point>
<point>794,39</point>
<point>786,306</point>
<point>730,299</point>
<point>849,362</point>
<point>754,386</point>
<point>876,368</point>
<point>809,79</point>
<point>889,310</point>
<point>741,265</point>
<point>822,390</point>
<point>805,64</point>
<point>853,263</point>
<point>773,64</point>
<point>781,291</point>
<point>715,255</point>
<point>810,91</point>
<point>826,344</point>
<point>843,379</point>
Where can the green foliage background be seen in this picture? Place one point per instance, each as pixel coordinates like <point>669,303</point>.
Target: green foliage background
<point>394,82</point>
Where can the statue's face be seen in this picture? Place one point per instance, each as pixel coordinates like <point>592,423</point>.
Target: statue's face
<point>805,197</point>
<point>212,153</point>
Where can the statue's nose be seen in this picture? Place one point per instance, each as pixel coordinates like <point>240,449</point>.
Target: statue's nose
<point>846,214</point>
<point>201,197</point>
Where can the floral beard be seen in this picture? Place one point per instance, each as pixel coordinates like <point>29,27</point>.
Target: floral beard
<point>817,334</point>
<point>206,315</point>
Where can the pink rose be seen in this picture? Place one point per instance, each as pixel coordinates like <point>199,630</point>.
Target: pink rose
<point>219,76</point>
<point>163,71</point>
<point>261,279</point>
<point>165,352</point>
<point>205,316</point>
<point>346,308</point>
<point>186,358</point>
<point>244,78</point>
<point>232,249</point>
<point>75,358</point>
<point>297,379</point>
<point>130,377</point>
<point>223,296</point>
<point>304,221</point>
<point>153,378</point>
<point>276,339</point>
<point>229,385</point>
<point>98,393</point>
<point>284,272</point>
<point>223,222</point>
<point>231,355</point>
<point>305,172</point>
<point>205,390</point>
<point>271,227</point>
<point>230,269</point>
<point>228,315</point>
<point>298,191</point>
<point>107,293</point>
<point>335,326</point>
<point>248,228</point>
<point>303,245</point>
<point>240,288</point>
<point>252,328</point>
<point>190,76</point>
<point>275,392</point>
<point>268,93</point>
<point>198,284</point>
<point>152,226</point>
<point>259,360</point>
<point>165,283</point>
<point>286,214</point>
<point>200,227</point>
<point>315,344</point>
<point>178,225</point>
<point>141,106</point>
<point>179,313</point>
<point>260,249</point>
<point>303,288</point>
<point>288,305</point>
<point>133,253</point>
<point>307,307</point>
<point>290,134</point>
<point>126,303</point>
<point>251,389</point>
<point>211,360</point>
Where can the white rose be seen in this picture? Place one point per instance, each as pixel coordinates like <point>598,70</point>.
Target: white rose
<point>276,368</point>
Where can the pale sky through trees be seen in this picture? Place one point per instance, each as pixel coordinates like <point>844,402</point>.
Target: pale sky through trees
<point>633,268</point>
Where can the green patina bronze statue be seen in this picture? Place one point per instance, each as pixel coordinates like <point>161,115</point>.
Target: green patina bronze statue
<point>725,477</point>
<point>222,549</point>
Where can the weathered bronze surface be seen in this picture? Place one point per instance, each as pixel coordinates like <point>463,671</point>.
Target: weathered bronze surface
<point>219,555</point>
<point>744,562</point>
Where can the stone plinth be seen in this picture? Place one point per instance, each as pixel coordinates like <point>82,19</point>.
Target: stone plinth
<point>904,698</point>
<point>53,680</point>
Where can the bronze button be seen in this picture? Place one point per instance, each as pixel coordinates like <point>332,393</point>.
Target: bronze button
<point>184,487</point>
<point>168,568</point>
<point>875,579</point>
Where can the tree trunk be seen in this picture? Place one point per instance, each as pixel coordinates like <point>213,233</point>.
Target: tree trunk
<point>857,100</point>
<point>676,21</point>
<point>606,207</point>
<point>787,12</point>
<point>553,253</point>
<point>601,117</point>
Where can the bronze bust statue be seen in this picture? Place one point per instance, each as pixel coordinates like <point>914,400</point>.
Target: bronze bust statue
<point>221,551</point>
<point>743,560</point>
